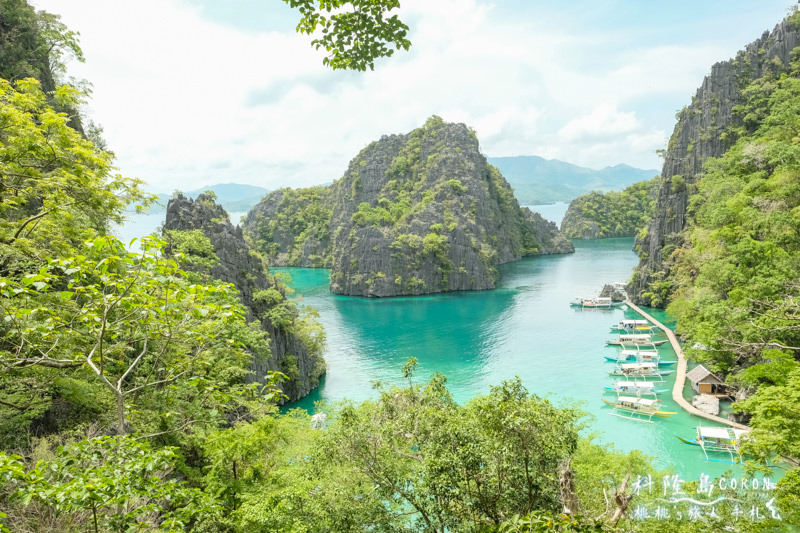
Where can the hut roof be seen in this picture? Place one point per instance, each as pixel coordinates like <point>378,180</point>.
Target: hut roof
<point>701,373</point>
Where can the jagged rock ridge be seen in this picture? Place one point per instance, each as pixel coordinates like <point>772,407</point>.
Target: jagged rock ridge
<point>413,214</point>
<point>698,135</point>
<point>246,271</point>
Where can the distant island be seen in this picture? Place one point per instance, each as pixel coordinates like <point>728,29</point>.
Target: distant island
<point>613,214</point>
<point>233,197</point>
<point>537,180</point>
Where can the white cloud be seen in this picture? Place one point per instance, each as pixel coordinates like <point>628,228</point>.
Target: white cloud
<point>186,101</point>
<point>604,120</point>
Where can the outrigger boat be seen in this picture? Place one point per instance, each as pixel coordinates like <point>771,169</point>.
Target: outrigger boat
<point>635,339</point>
<point>595,303</point>
<point>639,356</point>
<point>633,326</point>
<point>720,440</point>
<point>639,388</point>
<point>637,407</point>
<point>640,370</point>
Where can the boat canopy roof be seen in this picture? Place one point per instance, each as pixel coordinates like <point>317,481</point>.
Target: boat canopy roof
<point>635,337</point>
<point>636,366</point>
<point>633,385</point>
<point>640,401</point>
<point>721,433</point>
<point>629,323</point>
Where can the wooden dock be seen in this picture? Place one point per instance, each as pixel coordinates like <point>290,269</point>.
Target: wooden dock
<point>680,374</point>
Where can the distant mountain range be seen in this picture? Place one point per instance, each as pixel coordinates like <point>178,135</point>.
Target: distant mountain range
<point>234,197</point>
<point>537,180</point>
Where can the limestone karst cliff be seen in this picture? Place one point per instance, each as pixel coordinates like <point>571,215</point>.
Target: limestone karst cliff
<point>700,133</point>
<point>246,271</point>
<point>413,214</point>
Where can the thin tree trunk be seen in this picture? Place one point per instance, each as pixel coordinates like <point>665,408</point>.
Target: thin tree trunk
<point>94,516</point>
<point>120,415</point>
<point>622,500</point>
<point>570,505</point>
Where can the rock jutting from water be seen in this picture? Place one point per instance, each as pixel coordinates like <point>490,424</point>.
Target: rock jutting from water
<point>413,214</point>
<point>617,294</point>
<point>247,272</point>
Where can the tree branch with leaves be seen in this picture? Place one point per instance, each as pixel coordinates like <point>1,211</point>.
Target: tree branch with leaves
<point>354,32</point>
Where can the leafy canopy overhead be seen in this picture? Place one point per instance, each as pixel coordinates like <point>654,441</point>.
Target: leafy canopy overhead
<point>354,32</point>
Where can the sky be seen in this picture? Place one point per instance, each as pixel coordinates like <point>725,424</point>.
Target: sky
<point>192,93</point>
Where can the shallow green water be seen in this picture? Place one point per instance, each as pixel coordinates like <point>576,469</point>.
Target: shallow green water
<point>524,328</point>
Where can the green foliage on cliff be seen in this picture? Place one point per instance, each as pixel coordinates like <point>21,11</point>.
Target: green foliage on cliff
<point>612,214</point>
<point>34,44</point>
<point>409,192</point>
<point>268,304</point>
<point>737,284</point>
<point>299,215</point>
<point>744,227</point>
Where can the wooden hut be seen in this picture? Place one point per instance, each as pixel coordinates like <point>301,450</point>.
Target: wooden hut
<point>704,382</point>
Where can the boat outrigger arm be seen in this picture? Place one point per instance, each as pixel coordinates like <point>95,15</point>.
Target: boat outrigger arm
<point>722,440</point>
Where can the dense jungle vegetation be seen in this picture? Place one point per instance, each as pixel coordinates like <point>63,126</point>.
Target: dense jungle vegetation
<point>736,283</point>
<point>613,214</point>
<point>124,404</point>
<point>733,286</point>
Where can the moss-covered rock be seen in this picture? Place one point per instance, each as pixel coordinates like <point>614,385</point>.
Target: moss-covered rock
<point>613,214</point>
<point>413,214</point>
<point>705,128</point>
<point>216,249</point>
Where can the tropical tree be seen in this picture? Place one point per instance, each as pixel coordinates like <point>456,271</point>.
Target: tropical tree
<point>354,32</point>
<point>104,484</point>
<point>415,460</point>
<point>56,188</point>
<point>129,318</point>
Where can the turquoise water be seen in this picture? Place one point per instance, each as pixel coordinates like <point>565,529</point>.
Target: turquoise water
<point>523,328</point>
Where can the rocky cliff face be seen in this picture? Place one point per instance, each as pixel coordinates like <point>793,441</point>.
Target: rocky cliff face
<point>292,226</point>
<point>414,214</point>
<point>246,271</point>
<point>700,133</point>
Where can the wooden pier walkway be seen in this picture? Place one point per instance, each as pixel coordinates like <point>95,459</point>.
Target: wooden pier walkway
<point>680,374</point>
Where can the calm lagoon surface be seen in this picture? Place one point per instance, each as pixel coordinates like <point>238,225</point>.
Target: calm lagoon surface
<point>525,327</point>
